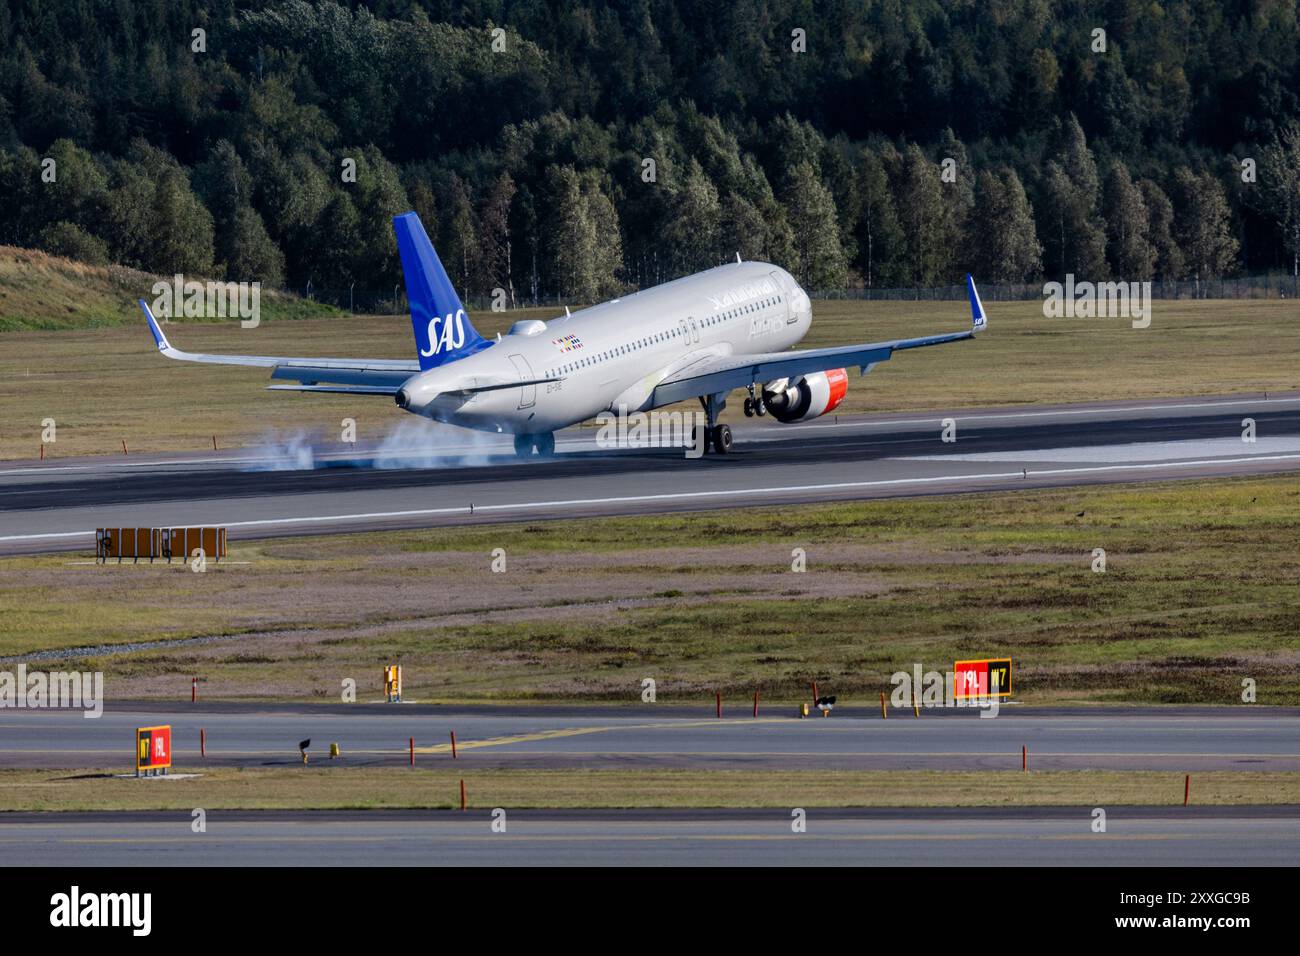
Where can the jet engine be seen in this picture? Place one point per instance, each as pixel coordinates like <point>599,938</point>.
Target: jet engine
<point>799,399</point>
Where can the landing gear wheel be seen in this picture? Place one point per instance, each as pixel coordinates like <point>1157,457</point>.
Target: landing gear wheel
<point>760,407</point>
<point>524,446</point>
<point>749,408</point>
<point>546,444</point>
<point>721,439</point>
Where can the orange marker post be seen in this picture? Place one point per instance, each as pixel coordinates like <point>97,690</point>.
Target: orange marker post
<point>453,745</point>
<point>884,714</point>
<point>412,746</point>
<point>203,742</point>
<point>1187,789</point>
<point>462,794</point>
<point>719,703</point>
<point>1024,757</point>
<point>755,703</point>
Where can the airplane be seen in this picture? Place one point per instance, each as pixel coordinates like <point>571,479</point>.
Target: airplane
<point>699,337</point>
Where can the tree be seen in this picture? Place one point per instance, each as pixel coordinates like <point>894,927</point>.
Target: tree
<point>244,250</point>
<point>1169,262</point>
<point>1279,188</point>
<point>249,253</point>
<point>1204,225</point>
<point>691,232</point>
<point>606,251</point>
<point>155,221</point>
<point>1002,234</point>
<point>460,243</point>
<point>819,262</point>
<point>921,215</point>
<point>496,252</point>
<point>72,242</point>
<point>585,249</point>
<point>741,228</point>
<point>1132,256</point>
<point>1074,237</point>
<point>880,239</point>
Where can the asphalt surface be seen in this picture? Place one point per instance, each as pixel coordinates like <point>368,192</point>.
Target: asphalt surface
<point>661,738</point>
<point>57,504</point>
<point>1211,836</point>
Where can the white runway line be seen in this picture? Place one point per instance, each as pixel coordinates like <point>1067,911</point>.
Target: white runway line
<point>1162,451</point>
<point>701,495</point>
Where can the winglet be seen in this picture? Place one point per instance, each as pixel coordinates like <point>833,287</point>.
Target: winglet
<point>979,321</point>
<point>158,337</point>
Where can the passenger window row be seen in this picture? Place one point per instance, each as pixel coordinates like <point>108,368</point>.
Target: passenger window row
<point>659,337</point>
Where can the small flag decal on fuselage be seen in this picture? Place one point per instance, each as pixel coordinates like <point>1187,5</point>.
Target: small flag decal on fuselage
<point>567,343</point>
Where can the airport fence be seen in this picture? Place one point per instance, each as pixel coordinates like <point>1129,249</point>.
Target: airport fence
<point>1244,287</point>
<point>393,301</point>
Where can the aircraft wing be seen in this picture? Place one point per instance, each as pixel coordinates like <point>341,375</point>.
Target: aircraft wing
<point>711,376</point>
<point>350,376</point>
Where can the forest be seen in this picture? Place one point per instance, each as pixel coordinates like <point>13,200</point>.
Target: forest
<point>580,150</point>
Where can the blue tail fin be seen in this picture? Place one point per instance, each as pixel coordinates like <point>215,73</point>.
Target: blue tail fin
<point>443,332</point>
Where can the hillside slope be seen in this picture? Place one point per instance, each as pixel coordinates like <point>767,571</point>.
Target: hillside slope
<point>43,292</point>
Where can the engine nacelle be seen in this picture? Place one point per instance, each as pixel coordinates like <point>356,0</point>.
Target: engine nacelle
<point>812,395</point>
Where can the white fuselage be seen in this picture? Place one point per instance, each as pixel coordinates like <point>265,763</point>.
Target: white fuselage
<point>613,355</point>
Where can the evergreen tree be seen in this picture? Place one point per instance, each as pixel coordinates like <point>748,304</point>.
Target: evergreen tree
<point>691,232</point>
<point>1204,226</point>
<point>880,239</point>
<point>1074,237</point>
<point>496,251</point>
<point>1170,264</point>
<point>920,200</point>
<point>1279,188</point>
<point>1001,230</point>
<point>819,261</point>
<point>1132,256</point>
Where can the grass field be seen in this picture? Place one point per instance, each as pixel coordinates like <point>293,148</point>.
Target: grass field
<point>334,787</point>
<point>1202,590</point>
<point>106,385</point>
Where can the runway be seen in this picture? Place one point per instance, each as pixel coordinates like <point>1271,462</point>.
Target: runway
<point>654,737</point>
<point>1135,836</point>
<point>56,504</point>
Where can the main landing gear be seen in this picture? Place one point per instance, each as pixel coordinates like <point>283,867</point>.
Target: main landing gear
<point>543,443</point>
<point>716,437</point>
<point>754,404</point>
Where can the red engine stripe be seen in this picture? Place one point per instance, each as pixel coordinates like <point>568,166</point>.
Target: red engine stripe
<point>838,380</point>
